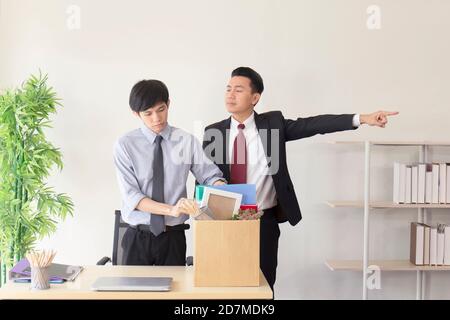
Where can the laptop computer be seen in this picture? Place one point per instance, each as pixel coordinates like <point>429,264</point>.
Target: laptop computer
<point>132,284</point>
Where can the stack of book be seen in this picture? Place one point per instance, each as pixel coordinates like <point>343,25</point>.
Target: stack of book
<point>430,245</point>
<point>421,183</point>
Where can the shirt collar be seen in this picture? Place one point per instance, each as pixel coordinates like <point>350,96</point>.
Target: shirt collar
<point>249,122</point>
<point>150,135</point>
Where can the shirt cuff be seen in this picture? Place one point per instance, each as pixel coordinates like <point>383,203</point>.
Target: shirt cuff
<point>134,200</point>
<point>211,182</point>
<point>356,122</point>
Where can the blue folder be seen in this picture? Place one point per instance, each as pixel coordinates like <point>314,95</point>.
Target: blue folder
<point>248,191</point>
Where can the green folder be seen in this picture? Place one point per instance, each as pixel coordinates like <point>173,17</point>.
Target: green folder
<point>199,189</point>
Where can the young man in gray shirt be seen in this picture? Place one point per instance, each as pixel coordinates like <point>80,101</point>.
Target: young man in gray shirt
<point>152,165</point>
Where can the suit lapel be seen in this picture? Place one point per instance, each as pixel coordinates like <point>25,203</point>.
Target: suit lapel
<point>225,129</point>
<point>262,123</point>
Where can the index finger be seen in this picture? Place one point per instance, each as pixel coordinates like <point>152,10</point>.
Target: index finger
<point>390,113</point>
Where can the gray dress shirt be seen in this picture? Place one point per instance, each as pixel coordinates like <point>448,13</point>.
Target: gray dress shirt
<point>133,157</point>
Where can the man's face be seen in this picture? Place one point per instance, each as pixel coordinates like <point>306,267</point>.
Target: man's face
<point>155,118</point>
<point>239,97</point>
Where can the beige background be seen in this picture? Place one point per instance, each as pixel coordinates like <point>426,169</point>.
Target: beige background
<point>315,57</point>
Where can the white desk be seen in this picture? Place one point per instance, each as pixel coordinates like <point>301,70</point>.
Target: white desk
<point>182,286</point>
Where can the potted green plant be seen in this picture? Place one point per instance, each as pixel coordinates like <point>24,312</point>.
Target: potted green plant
<point>29,208</point>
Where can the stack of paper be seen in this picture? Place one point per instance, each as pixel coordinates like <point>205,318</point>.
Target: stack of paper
<point>57,272</point>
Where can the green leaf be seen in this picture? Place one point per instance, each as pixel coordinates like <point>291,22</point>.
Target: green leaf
<point>29,209</point>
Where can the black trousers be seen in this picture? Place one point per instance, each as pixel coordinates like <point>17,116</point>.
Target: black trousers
<point>268,255</point>
<point>141,247</point>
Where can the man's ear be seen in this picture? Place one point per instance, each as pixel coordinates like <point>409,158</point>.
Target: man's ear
<point>255,98</point>
<point>168,103</point>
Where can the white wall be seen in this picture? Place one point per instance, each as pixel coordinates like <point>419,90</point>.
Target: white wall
<point>315,57</point>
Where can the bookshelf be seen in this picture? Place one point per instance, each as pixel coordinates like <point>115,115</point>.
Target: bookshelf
<point>384,265</point>
<point>386,205</point>
<point>367,205</point>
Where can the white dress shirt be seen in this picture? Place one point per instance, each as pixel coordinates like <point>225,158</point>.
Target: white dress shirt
<point>257,168</point>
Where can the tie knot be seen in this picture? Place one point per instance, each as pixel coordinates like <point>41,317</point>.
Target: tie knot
<point>158,139</point>
<point>241,126</point>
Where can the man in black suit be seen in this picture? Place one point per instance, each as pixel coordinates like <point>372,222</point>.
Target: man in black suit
<point>251,148</point>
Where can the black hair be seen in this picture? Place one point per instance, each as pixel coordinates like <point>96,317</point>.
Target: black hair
<point>146,93</point>
<point>256,82</point>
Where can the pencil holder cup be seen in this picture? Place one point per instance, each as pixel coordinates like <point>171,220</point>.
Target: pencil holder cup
<point>39,278</point>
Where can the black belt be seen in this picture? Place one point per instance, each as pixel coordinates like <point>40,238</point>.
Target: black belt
<point>146,227</point>
<point>270,214</point>
<point>275,213</point>
<point>270,210</point>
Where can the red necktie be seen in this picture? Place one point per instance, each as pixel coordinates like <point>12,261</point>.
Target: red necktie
<point>239,158</point>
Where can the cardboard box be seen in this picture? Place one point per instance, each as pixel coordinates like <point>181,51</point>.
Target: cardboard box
<point>226,253</point>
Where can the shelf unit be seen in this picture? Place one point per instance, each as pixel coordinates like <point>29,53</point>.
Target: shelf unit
<point>384,265</point>
<point>386,205</point>
<point>367,205</point>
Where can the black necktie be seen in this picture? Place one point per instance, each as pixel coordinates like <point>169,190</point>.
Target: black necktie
<point>157,224</point>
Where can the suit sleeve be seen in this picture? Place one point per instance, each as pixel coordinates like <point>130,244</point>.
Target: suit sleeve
<point>322,124</point>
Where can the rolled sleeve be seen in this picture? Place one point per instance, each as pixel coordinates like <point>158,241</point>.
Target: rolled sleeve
<point>129,187</point>
<point>204,170</point>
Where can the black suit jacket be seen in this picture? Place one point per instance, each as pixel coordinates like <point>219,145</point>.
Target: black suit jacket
<point>288,130</point>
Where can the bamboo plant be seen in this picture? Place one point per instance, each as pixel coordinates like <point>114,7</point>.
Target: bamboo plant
<point>29,208</point>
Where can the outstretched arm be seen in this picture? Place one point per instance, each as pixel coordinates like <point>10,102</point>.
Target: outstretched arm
<point>328,123</point>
